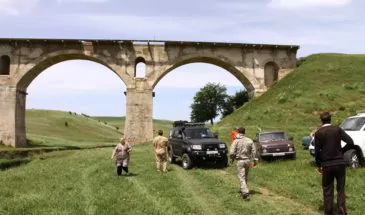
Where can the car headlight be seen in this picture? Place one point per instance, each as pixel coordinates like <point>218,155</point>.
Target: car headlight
<point>264,151</point>
<point>222,146</point>
<point>290,149</point>
<point>196,147</point>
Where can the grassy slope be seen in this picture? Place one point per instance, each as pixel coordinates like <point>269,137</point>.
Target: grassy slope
<point>325,82</point>
<point>164,125</point>
<point>46,127</point>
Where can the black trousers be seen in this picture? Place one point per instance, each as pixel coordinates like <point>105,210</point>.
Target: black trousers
<point>329,174</point>
<point>119,169</point>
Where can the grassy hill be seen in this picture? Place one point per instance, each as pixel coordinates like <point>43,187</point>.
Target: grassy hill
<point>48,128</point>
<point>323,82</point>
<point>158,124</point>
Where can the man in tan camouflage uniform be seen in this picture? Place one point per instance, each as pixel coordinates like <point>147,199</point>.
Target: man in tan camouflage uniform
<point>243,150</point>
<point>161,145</point>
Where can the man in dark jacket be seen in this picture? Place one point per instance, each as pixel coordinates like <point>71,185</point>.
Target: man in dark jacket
<point>330,162</point>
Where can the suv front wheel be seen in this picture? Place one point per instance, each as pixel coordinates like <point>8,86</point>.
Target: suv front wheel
<point>186,161</point>
<point>171,157</point>
<point>352,158</point>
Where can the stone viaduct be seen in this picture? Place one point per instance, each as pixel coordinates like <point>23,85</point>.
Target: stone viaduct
<point>256,66</point>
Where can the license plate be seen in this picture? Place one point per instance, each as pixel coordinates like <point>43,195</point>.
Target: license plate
<point>278,154</point>
<point>212,152</point>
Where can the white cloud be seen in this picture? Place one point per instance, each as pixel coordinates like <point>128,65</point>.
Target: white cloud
<point>299,4</point>
<point>15,7</point>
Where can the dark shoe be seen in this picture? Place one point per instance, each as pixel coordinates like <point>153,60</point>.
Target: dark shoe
<point>246,196</point>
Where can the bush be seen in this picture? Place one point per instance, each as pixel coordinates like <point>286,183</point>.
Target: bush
<point>353,86</point>
<point>117,127</point>
<point>282,98</point>
<point>66,124</point>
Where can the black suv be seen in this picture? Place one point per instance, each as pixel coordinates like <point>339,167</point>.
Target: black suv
<point>193,142</point>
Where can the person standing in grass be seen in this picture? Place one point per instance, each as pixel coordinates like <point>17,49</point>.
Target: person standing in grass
<point>330,162</point>
<point>243,150</point>
<point>161,144</point>
<point>121,156</point>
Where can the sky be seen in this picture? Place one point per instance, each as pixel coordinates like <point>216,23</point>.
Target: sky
<point>318,26</point>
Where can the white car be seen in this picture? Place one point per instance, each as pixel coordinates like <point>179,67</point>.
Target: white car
<point>354,126</point>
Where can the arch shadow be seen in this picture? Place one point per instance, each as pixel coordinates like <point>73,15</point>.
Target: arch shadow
<point>271,73</point>
<point>4,65</point>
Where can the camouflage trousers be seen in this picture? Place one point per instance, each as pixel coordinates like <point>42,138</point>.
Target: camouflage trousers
<point>243,167</point>
<point>161,162</point>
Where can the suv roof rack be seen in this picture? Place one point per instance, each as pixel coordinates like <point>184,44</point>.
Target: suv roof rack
<point>187,124</point>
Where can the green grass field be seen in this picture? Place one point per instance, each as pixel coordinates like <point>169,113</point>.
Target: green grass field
<point>85,182</point>
<point>164,125</point>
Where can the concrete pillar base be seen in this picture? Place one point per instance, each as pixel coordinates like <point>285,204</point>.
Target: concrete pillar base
<point>12,120</point>
<point>138,126</point>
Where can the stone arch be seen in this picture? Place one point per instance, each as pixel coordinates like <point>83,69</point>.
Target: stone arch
<point>33,69</point>
<point>4,65</point>
<point>140,61</point>
<point>271,73</point>
<point>224,64</point>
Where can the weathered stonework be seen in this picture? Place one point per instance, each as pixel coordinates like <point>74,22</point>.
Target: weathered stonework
<point>29,57</point>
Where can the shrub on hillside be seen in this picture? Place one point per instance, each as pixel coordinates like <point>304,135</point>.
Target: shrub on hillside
<point>116,127</point>
<point>66,124</point>
<point>300,61</point>
<point>282,98</point>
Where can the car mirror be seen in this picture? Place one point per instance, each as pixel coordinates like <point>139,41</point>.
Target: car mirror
<point>255,140</point>
<point>179,136</point>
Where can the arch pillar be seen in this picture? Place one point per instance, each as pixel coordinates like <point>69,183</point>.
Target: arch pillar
<point>138,126</point>
<point>12,120</point>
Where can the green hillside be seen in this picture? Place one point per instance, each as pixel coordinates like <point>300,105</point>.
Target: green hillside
<point>158,124</point>
<point>323,82</point>
<point>48,127</point>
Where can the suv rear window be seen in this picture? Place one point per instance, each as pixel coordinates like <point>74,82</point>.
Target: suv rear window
<point>353,124</point>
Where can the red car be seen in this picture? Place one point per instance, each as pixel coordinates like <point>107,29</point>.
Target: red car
<point>274,144</point>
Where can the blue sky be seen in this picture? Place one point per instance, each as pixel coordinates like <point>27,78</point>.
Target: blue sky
<point>315,25</point>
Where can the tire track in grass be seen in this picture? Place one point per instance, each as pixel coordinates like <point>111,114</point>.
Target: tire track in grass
<point>87,190</point>
<point>268,194</point>
<point>160,204</point>
<point>208,204</point>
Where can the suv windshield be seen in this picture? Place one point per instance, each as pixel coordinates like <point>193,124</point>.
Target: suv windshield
<point>198,133</point>
<point>275,136</point>
<point>353,124</point>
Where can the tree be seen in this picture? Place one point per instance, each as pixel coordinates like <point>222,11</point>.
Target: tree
<point>228,106</point>
<point>240,98</point>
<point>208,102</point>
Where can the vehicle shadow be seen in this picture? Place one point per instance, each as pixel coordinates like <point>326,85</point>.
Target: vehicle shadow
<point>204,165</point>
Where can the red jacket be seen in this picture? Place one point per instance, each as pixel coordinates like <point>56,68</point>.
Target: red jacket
<point>233,135</point>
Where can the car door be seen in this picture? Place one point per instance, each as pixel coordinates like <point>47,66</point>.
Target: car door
<point>176,142</point>
<point>179,142</point>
